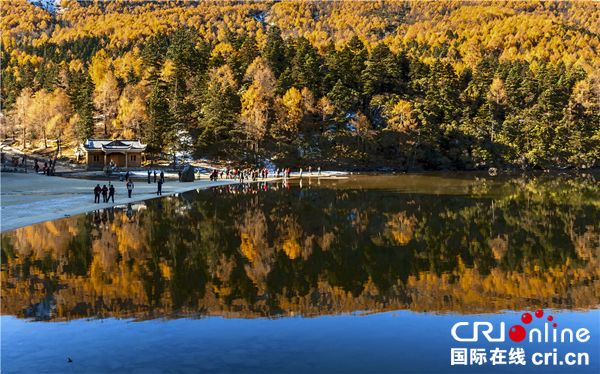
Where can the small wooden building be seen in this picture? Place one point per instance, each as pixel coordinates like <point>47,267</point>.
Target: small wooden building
<point>123,153</point>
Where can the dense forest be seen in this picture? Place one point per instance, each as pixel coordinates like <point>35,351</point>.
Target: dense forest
<point>247,251</point>
<point>348,84</point>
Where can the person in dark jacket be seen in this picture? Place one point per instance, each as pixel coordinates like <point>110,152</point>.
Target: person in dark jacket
<point>148,176</point>
<point>97,191</point>
<point>111,193</point>
<point>154,176</point>
<point>104,194</point>
<point>162,176</point>
<point>129,188</point>
<point>159,192</point>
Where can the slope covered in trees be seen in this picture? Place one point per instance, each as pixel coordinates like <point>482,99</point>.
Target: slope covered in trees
<point>425,85</point>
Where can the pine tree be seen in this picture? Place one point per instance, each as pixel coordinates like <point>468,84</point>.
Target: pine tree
<point>158,131</point>
<point>275,51</point>
<point>153,55</point>
<point>84,106</point>
<point>216,110</point>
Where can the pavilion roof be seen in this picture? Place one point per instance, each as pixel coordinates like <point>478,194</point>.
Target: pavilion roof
<point>114,145</point>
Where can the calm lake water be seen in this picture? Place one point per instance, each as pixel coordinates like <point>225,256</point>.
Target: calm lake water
<point>356,274</point>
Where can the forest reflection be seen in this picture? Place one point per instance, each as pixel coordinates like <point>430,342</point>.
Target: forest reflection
<point>326,247</point>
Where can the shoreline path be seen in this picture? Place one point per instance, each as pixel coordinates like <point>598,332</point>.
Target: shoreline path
<point>27,199</point>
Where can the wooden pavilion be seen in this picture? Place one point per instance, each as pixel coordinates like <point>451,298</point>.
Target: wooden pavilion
<point>123,153</point>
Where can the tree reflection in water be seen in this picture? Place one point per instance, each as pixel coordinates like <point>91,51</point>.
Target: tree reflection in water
<point>367,243</point>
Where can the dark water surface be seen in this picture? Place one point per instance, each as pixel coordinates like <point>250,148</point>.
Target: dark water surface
<point>354,274</point>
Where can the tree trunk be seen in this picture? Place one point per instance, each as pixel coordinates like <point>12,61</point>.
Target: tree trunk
<point>105,124</point>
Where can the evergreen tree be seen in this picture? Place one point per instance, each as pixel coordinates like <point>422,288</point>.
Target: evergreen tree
<point>381,74</point>
<point>158,130</point>
<point>248,52</point>
<point>275,51</point>
<point>83,101</point>
<point>216,111</point>
<point>153,55</point>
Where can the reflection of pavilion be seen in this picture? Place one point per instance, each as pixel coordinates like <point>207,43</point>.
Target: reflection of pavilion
<point>124,153</point>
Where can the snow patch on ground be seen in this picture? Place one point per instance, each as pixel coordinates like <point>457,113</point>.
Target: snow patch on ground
<point>59,203</point>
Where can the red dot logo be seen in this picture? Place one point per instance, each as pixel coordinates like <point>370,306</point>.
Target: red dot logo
<point>526,318</point>
<point>550,318</point>
<point>539,313</point>
<point>554,325</point>
<point>517,333</point>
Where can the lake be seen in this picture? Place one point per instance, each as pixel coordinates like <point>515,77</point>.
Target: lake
<point>353,274</point>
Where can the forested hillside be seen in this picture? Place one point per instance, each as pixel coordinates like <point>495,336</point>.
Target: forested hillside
<point>365,85</point>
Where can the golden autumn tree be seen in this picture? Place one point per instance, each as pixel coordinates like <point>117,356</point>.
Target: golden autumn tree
<point>60,112</point>
<point>132,110</point>
<point>106,98</point>
<point>294,105</point>
<point>40,112</point>
<point>22,115</point>
<point>400,117</point>
<point>255,100</point>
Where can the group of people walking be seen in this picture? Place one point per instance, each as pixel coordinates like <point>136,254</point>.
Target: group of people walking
<point>106,192</point>
<point>45,169</point>
<point>161,176</point>
<point>252,173</point>
<point>160,181</point>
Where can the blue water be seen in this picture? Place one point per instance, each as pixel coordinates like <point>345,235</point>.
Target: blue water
<point>393,342</point>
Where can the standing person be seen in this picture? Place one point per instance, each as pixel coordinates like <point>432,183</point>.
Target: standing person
<point>154,176</point>
<point>300,173</point>
<point>36,167</point>
<point>111,192</point>
<point>310,170</point>
<point>97,193</point>
<point>129,188</point>
<point>148,176</point>
<point>104,194</point>
<point>127,175</point>
<point>162,176</point>
<point>179,175</point>
<point>266,173</point>
<point>319,169</point>
<point>159,192</point>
